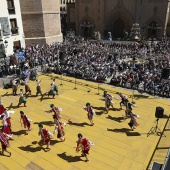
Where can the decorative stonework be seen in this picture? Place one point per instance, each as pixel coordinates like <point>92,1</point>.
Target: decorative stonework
<point>119,3</point>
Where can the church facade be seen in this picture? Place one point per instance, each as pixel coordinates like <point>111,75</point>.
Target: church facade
<point>118,16</point>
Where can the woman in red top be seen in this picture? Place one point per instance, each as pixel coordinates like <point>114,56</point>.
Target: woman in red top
<point>45,136</point>
<point>83,145</point>
<point>59,128</point>
<point>2,109</point>
<point>4,143</point>
<point>25,121</point>
<point>90,112</point>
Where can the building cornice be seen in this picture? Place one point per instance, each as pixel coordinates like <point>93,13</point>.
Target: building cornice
<point>39,12</point>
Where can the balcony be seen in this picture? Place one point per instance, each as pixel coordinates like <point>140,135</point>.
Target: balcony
<point>14,31</point>
<point>11,11</point>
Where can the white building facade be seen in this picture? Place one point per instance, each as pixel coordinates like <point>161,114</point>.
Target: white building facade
<point>11,27</point>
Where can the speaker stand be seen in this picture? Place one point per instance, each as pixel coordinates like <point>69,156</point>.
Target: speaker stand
<point>155,130</point>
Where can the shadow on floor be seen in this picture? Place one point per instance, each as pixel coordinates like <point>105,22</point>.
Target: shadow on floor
<point>138,96</point>
<point>70,158</point>
<point>34,142</point>
<point>53,142</point>
<point>14,107</point>
<point>100,113</point>
<point>117,119</point>
<point>133,134</point>
<point>30,96</point>
<point>117,109</point>
<point>18,133</point>
<point>47,123</point>
<point>123,130</point>
<point>99,108</point>
<point>28,148</point>
<point>83,124</point>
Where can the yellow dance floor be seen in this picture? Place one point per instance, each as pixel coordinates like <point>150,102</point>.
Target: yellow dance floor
<point>116,147</point>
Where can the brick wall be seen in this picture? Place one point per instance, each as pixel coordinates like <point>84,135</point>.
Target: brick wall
<point>41,18</point>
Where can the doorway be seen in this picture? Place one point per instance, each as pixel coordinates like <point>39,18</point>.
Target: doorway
<point>118,28</point>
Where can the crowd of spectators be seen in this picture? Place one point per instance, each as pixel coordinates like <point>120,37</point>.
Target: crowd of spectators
<point>136,65</point>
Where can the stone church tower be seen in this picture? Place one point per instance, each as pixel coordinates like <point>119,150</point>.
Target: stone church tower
<point>41,21</point>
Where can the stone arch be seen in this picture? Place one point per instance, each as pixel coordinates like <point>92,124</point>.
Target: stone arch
<point>154,27</point>
<point>123,18</point>
<point>87,19</point>
<point>87,26</point>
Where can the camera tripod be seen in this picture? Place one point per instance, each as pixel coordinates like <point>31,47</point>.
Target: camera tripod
<point>155,130</point>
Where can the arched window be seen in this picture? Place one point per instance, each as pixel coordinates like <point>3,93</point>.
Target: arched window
<point>60,8</point>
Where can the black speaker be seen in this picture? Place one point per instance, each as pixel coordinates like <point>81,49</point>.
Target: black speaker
<point>165,73</point>
<point>159,112</point>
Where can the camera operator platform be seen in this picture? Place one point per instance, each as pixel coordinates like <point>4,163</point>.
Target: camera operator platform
<point>155,130</point>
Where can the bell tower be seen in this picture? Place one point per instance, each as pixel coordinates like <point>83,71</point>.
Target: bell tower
<point>41,21</point>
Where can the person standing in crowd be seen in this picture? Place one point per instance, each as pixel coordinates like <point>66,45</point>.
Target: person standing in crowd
<point>25,121</point>
<point>83,145</point>
<point>14,87</point>
<point>22,99</point>
<point>90,112</point>
<point>45,136</point>
<point>38,88</point>
<point>4,143</point>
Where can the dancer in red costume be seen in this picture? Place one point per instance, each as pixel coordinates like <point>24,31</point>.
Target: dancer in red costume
<point>83,145</point>
<point>6,128</point>
<point>59,128</point>
<point>108,101</point>
<point>56,111</point>
<point>4,143</point>
<point>25,121</point>
<point>90,112</point>
<point>45,136</point>
<point>2,109</point>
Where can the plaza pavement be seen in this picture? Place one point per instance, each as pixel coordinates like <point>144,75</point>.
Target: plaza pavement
<point>116,147</point>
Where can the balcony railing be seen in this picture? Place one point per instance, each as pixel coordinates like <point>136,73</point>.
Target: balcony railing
<point>15,31</point>
<point>11,11</point>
